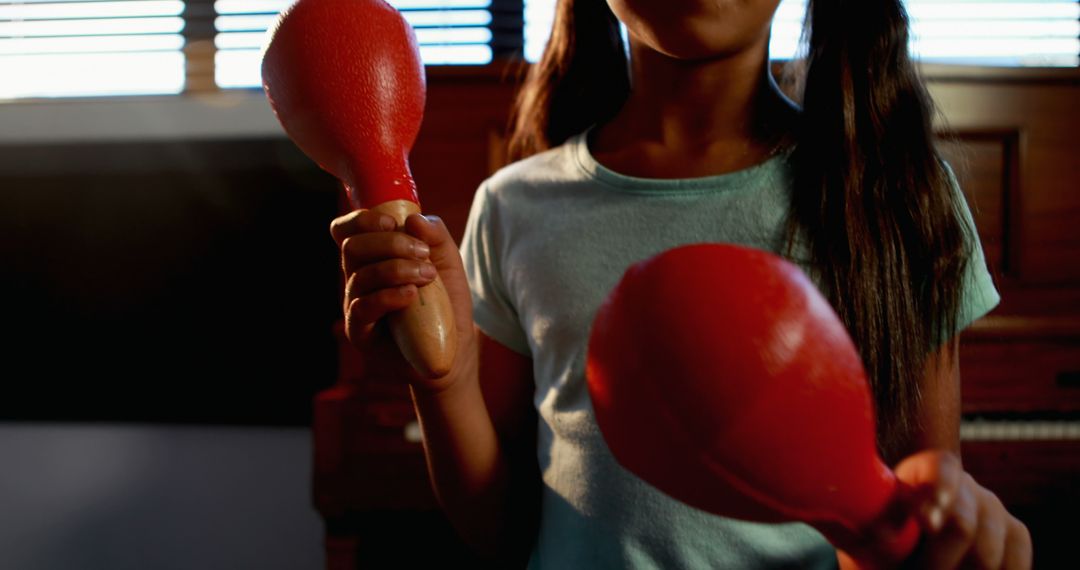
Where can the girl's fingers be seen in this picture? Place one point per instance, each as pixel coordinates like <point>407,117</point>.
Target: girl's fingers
<point>432,231</point>
<point>943,500</point>
<point>342,227</point>
<point>363,249</point>
<point>362,313</point>
<point>933,479</point>
<point>947,547</point>
<point>989,548</point>
<point>360,221</point>
<point>380,288</point>
<point>1017,546</point>
<point>964,525</point>
<point>388,274</point>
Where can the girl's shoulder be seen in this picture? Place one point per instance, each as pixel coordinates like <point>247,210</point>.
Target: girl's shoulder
<point>557,165</point>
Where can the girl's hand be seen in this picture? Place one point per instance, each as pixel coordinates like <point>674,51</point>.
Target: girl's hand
<point>383,269</point>
<point>963,524</point>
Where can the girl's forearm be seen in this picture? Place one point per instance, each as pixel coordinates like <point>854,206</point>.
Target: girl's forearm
<point>468,469</point>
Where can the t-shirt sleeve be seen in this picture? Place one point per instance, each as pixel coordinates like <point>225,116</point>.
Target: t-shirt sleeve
<point>482,253</point>
<point>979,295</point>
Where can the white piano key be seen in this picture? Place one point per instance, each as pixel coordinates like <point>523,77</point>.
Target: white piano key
<point>998,430</point>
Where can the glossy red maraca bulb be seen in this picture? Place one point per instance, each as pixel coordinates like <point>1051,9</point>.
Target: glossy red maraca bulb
<point>345,79</point>
<point>720,375</point>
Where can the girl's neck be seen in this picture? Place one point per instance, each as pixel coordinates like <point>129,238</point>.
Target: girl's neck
<point>695,118</point>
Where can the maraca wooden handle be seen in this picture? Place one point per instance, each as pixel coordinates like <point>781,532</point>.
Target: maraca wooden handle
<point>425,330</point>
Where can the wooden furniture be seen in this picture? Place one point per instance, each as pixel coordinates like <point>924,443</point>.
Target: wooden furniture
<point>1014,142</point>
<point>1012,137</point>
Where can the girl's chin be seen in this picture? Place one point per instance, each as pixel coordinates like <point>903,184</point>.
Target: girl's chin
<point>702,46</point>
<point>697,52</point>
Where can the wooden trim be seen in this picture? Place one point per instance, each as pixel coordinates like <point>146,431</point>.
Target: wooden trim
<point>511,69</point>
<point>1010,140</point>
<point>937,72</point>
<point>199,67</point>
<point>498,71</point>
<point>1012,328</point>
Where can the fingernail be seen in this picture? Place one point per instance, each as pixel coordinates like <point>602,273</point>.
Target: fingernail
<point>421,250</point>
<point>431,219</point>
<point>387,223</point>
<point>935,516</point>
<point>427,271</point>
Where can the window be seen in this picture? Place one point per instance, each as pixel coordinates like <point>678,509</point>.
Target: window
<point>56,48</point>
<point>50,49</point>
<point>973,32</point>
<point>1003,33</point>
<point>448,31</point>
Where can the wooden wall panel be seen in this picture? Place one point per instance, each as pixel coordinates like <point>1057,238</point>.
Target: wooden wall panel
<point>1015,139</point>
<point>1021,375</point>
<point>1023,472</point>
<point>1014,144</point>
<point>1042,110</point>
<point>983,164</point>
<point>458,144</point>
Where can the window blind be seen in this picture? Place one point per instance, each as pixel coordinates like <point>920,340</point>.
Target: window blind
<point>54,48</point>
<point>90,47</point>
<point>971,32</point>
<point>448,31</point>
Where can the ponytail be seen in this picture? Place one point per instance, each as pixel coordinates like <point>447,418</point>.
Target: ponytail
<point>873,202</point>
<point>581,80</point>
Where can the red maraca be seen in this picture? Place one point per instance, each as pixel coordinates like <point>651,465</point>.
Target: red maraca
<point>720,375</point>
<point>345,79</point>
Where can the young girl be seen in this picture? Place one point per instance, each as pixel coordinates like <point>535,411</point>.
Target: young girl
<point>689,140</point>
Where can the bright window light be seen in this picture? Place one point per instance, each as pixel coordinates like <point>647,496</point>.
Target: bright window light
<point>91,48</point>
<point>450,32</point>
<point>457,55</point>
<point>90,27</point>
<point>242,68</point>
<point>91,44</point>
<point>448,18</point>
<point>244,23</point>
<point>998,29</point>
<point>971,32</point>
<point>1006,52</point>
<point>275,6</point>
<point>991,10</point>
<point>539,17</point>
<point>61,48</point>
<point>73,10</point>
<point>238,68</point>
<point>453,36</point>
<point>251,6</point>
<point>240,40</point>
<point>439,4</point>
<point>65,75</point>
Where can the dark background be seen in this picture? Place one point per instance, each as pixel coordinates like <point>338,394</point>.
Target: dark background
<point>189,281</point>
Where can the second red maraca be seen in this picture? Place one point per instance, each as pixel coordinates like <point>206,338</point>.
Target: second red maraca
<point>720,375</point>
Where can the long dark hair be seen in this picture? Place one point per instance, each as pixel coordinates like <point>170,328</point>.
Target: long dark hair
<point>872,207</point>
<point>581,80</point>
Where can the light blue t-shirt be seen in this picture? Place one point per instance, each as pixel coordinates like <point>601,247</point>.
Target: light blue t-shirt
<point>547,239</point>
